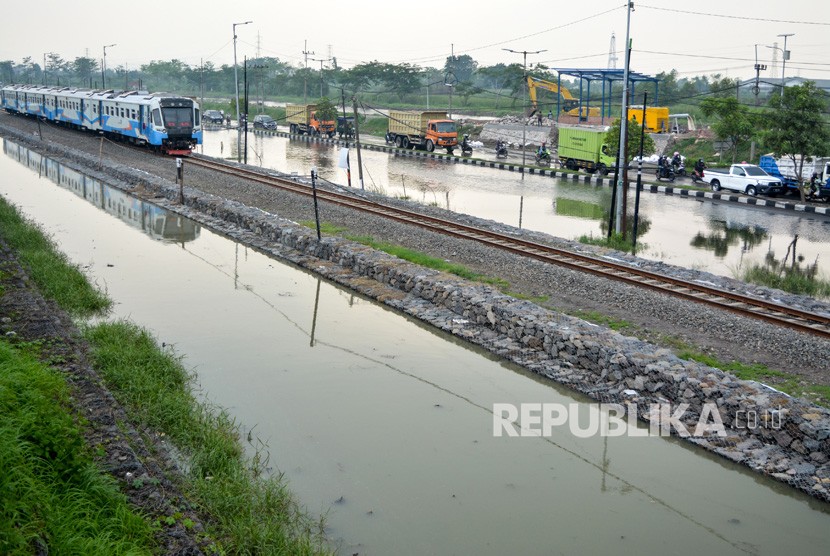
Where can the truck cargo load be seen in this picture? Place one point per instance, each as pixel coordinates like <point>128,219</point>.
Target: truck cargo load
<point>302,119</point>
<point>783,168</point>
<point>424,129</point>
<point>584,147</point>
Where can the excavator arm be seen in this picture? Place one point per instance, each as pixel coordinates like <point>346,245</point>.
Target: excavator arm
<point>570,104</point>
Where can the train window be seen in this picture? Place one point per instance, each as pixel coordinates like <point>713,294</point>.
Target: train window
<point>198,117</point>
<point>157,117</point>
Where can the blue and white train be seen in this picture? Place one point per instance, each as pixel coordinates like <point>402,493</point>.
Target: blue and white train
<point>162,121</point>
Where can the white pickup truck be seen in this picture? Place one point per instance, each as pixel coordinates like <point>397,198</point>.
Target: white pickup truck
<point>745,178</point>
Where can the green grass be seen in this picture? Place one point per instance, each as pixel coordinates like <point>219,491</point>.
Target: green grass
<point>783,277</point>
<point>248,513</point>
<point>429,261</point>
<point>52,497</point>
<point>786,382</point>
<point>50,269</point>
<point>325,227</point>
<point>616,242</point>
<point>374,126</point>
<point>598,318</point>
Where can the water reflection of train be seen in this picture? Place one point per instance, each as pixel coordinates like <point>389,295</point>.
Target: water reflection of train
<point>155,221</point>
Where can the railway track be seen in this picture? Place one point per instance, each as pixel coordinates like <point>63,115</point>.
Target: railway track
<point>804,321</point>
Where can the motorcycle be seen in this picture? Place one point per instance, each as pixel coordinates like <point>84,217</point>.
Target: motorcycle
<point>466,147</point>
<point>697,176</point>
<point>679,168</point>
<point>665,172</point>
<point>819,192</point>
<point>543,158</point>
<point>501,149</point>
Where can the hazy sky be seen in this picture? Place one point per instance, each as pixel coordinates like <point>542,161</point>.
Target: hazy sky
<point>696,38</point>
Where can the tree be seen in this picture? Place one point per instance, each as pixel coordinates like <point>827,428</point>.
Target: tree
<point>7,70</point>
<point>28,66</point>
<point>734,122</point>
<point>634,129</point>
<point>503,76</point>
<point>326,110</point>
<point>84,68</point>
<point>465,90</point>
<point>722,87</point>
<point>669,89</point>
<point>463,67</point>
<point>796,128</point>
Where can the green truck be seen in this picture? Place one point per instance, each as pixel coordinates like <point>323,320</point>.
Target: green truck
<point>584,147</point>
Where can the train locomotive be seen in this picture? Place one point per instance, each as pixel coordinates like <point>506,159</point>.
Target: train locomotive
<point>163,122</point>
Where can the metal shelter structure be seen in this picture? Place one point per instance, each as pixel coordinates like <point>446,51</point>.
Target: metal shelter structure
<point>607,77</point>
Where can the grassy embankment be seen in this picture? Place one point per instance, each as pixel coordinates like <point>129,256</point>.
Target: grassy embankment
<point>425,260</point>
<point>53,499</point>
<point>51,494</point>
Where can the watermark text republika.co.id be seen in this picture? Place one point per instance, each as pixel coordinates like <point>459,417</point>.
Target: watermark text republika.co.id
<point>616,419</point>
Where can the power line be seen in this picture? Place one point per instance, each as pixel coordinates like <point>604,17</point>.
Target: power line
<point>741,17</point>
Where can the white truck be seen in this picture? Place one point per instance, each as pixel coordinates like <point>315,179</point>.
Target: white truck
<point>744,178</point>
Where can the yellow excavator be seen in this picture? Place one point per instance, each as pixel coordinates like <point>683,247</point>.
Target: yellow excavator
<point>570,104</point>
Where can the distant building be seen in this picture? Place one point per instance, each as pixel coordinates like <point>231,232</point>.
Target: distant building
<point>766,85</point>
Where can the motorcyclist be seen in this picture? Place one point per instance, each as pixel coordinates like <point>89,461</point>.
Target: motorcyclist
<point>813,185</point>
<point>700,165</point>
<point>501,147</point>
<point>664,167</point>
<point>676,160</point>
<point>543,151</point>
<point>465,143</point>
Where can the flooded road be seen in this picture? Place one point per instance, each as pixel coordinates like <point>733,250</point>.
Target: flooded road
<point>720,237</point>
<point>386,426</point>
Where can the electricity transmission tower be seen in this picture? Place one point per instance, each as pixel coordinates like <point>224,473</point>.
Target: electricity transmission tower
<point>612,53</point>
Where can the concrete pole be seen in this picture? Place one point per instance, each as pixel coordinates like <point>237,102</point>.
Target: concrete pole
<point>785,56</point>
<point>236,85</point>
<point>623,121</point>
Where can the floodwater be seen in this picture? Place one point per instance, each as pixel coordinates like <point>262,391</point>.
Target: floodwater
<point>719,237</point>
<point>386,426</point>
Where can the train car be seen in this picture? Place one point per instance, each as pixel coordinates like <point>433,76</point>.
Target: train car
<point>161,121</point>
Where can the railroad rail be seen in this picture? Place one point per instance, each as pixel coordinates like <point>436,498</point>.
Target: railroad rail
<point>775,313</point>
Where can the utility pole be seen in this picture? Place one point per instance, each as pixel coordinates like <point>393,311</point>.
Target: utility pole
<point>357,142</point>
<point>623,121</point>
<point>758,69</point>
<point>321,60</point>
<point>236,86</point>
<point>104,67</point>
<point>306,52</point>
<point>786,56</point>
<point>524,54</point>
<point>201,80</point>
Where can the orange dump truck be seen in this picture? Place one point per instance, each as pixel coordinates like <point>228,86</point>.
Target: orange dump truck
<point>423,129</point>
<point>302,119</point>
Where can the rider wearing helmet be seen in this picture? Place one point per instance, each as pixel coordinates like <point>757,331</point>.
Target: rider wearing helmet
<point>676,160</point>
